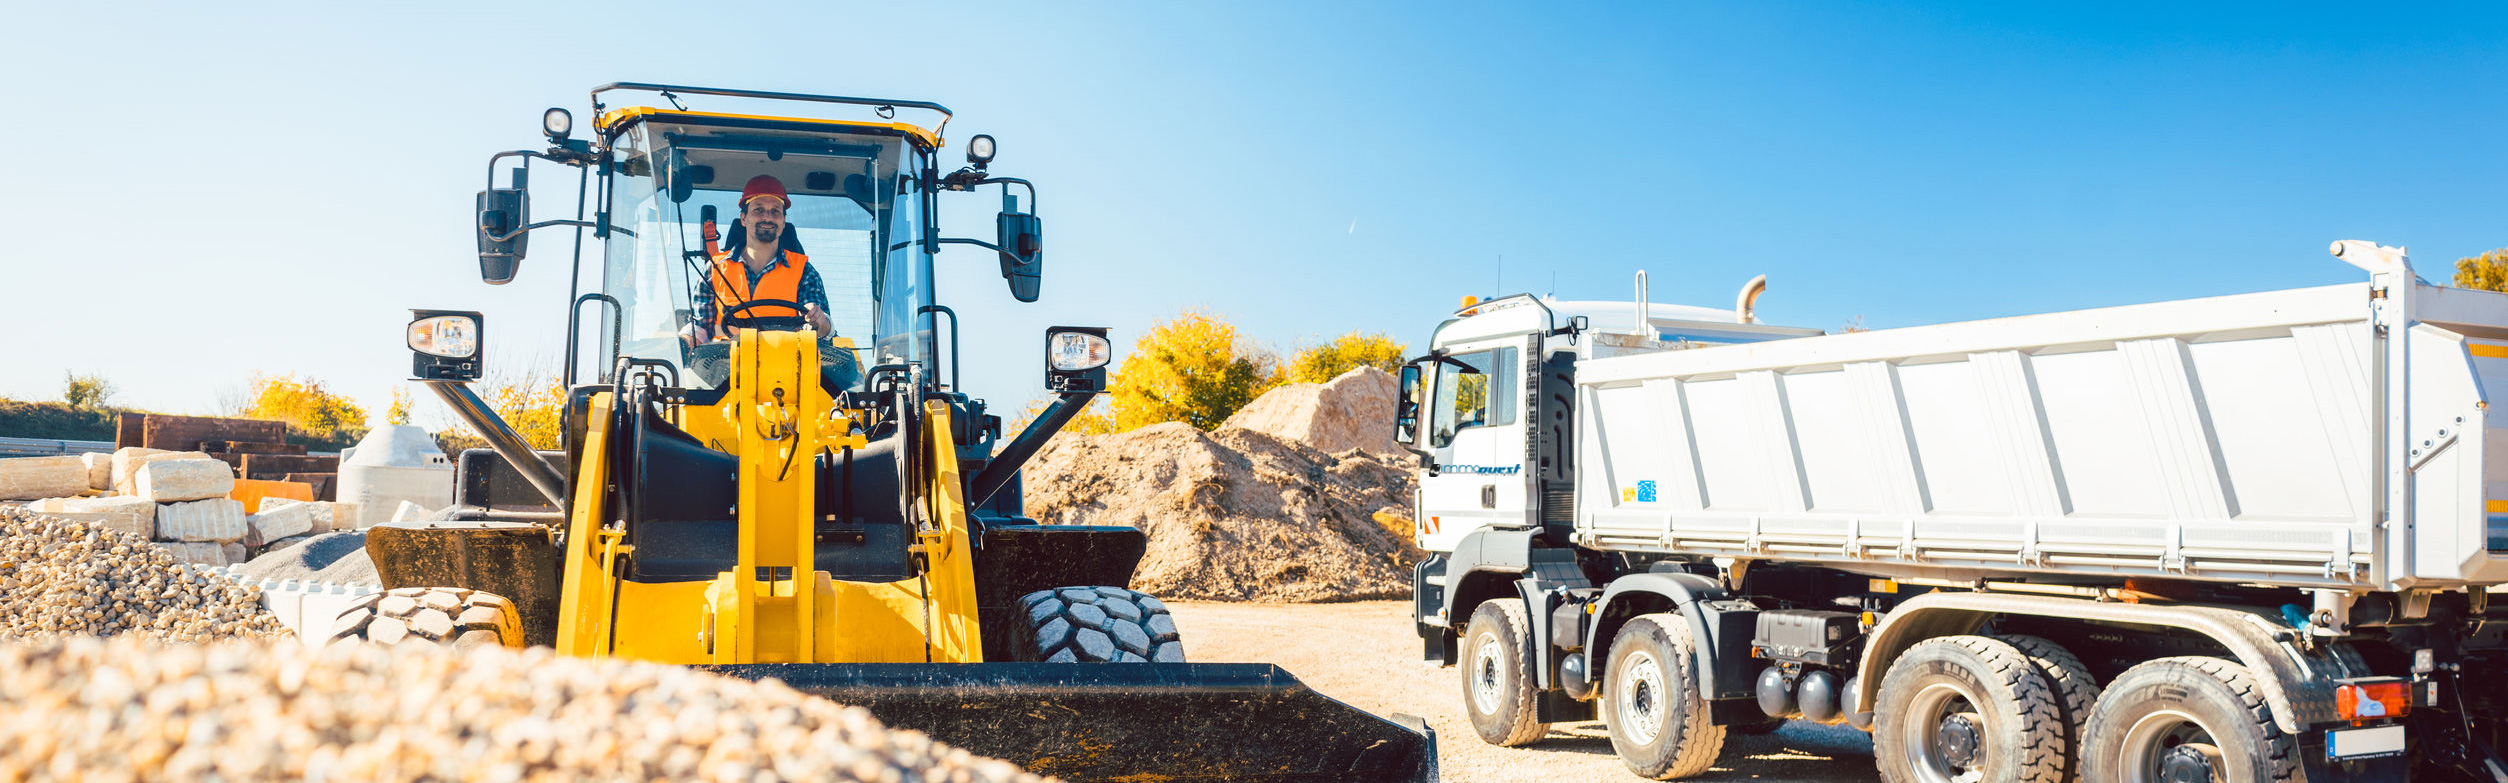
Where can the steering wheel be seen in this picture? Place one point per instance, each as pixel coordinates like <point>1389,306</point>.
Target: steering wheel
<point>777,323</point>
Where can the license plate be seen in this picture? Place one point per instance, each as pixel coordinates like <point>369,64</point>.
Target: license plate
<point>2368,743</point>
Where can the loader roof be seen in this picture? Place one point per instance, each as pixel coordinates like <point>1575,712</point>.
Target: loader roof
<point>616,120</point>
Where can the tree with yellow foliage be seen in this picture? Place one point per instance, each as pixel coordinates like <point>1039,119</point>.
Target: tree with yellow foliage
<point>1195,369</point>
<point>310,411</point>
<point>1351,351</point>
<point>2485,272</point>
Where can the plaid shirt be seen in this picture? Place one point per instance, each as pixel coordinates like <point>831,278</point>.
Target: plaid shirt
<point>812,292</point>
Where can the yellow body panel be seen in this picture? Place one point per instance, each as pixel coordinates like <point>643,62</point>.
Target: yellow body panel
<point>774,418</point>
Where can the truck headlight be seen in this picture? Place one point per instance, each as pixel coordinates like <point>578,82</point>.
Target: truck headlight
<point>446,344</point>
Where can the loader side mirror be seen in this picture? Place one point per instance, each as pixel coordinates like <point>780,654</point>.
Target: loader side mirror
<point>1022,240</point>
<point>1406,406</point>
<point>503,212</point>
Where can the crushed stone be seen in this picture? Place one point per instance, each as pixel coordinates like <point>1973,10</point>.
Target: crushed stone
<point>84,708</point>
<point>60,577</point>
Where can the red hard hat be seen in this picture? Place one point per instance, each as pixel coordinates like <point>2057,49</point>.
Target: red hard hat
<point>764,185</point>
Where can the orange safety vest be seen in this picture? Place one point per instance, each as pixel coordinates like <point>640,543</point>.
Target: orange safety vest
<point>730,279</point>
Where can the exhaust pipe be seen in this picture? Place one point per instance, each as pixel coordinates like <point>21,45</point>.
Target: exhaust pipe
<point>1749,300</point>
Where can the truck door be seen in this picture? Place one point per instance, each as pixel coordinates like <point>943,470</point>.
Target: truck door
<point>1475,433</point>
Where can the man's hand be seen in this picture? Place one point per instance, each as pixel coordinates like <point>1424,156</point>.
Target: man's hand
<point>818,320</point>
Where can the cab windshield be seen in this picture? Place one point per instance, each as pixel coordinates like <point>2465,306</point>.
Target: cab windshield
<point>845,208</point>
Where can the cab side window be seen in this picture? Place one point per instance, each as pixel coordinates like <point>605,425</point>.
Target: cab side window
<point>1482,396</point>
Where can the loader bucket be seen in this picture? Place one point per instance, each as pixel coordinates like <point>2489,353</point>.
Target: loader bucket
<point>1129,722</point>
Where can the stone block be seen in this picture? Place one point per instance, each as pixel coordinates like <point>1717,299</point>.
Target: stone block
<point>326,516</point>
<point>99,469</point>
<point>271,524</point>
<point>128,461</point>
<point>31,478</point>
<point>198,553</point>
<point>411,512</point>
<point>235,552</point>
<point>177,480</point>
<point>344,516</point>
<point>136,516</point>
<point>218,519</point>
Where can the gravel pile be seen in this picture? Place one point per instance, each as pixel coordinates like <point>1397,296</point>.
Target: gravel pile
<point>63,578</point>
<point>121,709</point>
<point>1236,515</point>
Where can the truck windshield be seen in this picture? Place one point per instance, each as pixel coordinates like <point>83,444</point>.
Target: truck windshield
<point>843,209</point>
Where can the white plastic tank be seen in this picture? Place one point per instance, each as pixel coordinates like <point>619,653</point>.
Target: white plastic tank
<point>394,463</point>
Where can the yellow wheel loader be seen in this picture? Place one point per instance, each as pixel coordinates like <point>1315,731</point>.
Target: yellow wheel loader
<point>800,489</point>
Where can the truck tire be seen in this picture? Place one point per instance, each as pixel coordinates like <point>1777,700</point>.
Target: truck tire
<point>448,616</point>
<point>1097,625</point>
<point>2183,715</point>
<point>2076,691</point>
<point>1660,723</point>
<point>1498,675</point>
<point>1968,707</point>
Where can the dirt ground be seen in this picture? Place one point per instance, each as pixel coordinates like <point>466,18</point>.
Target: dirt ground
<point>1365,653</point>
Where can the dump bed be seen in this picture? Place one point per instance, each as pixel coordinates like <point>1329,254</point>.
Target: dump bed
<point>2276,437</point>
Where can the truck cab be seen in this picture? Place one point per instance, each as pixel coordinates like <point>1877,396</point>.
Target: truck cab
<point>1489,407</point>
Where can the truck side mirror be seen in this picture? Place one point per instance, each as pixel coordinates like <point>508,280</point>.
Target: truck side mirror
<point>503,214</point>
<point>1022,240</point>
<point>1406,406</point>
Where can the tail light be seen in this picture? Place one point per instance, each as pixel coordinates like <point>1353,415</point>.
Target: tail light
<point>2371,698</point>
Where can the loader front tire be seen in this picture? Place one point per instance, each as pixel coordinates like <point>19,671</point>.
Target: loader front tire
<point>1097,625</point>
<point>448,616</point>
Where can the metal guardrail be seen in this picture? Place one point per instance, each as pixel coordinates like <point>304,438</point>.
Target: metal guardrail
<point>46,447</point>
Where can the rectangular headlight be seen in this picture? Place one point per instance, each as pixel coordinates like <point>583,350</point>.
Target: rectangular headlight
<point>445,344</point>
<point>1076,357</point>
<point>1076,351</point>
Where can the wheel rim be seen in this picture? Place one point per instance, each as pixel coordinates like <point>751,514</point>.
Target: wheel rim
<point>2168,746</point>
<point>1487,680</point>
<point>1639,701</point>
<point>1944,734</point>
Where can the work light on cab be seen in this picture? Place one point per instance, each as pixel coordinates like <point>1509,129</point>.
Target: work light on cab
<point>1076,357</point>
<point>557,123</point>
<point>980,150</point>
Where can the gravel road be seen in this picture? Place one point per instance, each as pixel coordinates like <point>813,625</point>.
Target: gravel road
<point>1365,653</point>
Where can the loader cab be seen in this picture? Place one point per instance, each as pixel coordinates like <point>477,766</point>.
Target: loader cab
<point>857,214</point>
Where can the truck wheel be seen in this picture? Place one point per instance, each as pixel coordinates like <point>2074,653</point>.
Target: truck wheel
<point>1498,675</point>
<point>1097,625</point>
<point>1964,708</point>
<point>2193,718</point>
<point>448,616</point>
<point>1659,721</point>
<point>2075,690</point>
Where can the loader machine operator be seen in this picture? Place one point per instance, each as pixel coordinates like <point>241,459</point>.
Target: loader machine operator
<point>762,266</point>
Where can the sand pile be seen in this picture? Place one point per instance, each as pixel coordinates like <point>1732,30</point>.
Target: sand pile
<point>122,709</point>
<point>334,558</point>
<point>61,577</point>
<point>1353,411</point>
<point>1237,514</point>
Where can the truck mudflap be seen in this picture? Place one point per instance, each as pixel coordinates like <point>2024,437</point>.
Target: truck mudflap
<point>1130,722</point>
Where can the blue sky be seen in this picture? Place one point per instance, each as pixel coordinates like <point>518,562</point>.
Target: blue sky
<point>202,191</point>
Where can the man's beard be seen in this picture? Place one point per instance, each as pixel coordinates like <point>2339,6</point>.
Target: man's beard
<point>766,233</point>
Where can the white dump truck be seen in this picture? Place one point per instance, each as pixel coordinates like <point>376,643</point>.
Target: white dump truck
<point>2243,538</point>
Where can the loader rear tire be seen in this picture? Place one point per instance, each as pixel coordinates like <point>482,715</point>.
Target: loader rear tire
<point>448,616</point>
<point>1097,625</point>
